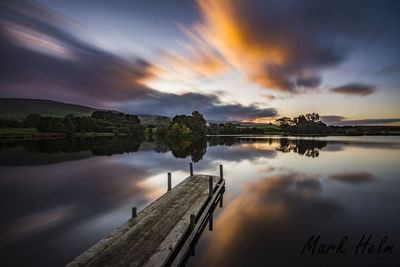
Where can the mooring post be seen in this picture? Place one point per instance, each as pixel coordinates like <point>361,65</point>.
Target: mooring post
<point>192,221</point>
<point>169,181</point>
<point>221,173</point>
<point>210,222</point>
<point>193,251</point>
<point>191,168</point>
<point>134,214</point>
<point>210,188</point>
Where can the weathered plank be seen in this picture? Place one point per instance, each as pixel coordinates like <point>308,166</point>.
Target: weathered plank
<point>148,238</point>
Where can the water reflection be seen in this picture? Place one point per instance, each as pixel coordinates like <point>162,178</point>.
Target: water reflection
<point>37,152</point>
<point>280,191</point>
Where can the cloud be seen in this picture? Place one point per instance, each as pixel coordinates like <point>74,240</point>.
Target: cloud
<point>332,119</point>
<point>389,69</point>
<point>354,89</point>
<point>209,105</point>
<point>268,96</point>
<point>40,58</point>
<point>281,46</point>
<point>199,60</point>
<point>342,121</point>
<point>353,177</point>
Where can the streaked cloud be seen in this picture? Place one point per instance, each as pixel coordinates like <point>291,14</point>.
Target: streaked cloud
<point>342,121</point>
<point>41,59</point>
<point>281,47</point>
<point>208,104</point>
<point>354,89</point>
<point>389,69</point>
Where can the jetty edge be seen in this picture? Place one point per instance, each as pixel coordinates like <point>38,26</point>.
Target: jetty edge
<point>166,231</point>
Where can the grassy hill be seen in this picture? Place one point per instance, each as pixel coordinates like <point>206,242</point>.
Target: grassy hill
<point>19,108</point>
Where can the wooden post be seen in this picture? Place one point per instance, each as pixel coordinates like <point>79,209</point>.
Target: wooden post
<point>191,168</point>
<point>169,181</point>
<point>134,214</point>
<point>210,222</point>
<point>210,188</point>
<point>192,221</point>
<point>193,251</point>
<point>221,173</point>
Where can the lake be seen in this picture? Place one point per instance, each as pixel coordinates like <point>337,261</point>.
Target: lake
<point>59,197</point>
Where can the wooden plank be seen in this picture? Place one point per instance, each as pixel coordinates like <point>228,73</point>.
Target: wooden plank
<point>149,238</point>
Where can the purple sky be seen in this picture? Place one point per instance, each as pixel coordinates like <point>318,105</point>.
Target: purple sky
<point>231,60</point>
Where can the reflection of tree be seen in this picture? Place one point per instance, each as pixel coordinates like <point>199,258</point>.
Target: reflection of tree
<point>196,148</point>
<point>97,145</point>
<point>309,148</point>
<point>223,140</point>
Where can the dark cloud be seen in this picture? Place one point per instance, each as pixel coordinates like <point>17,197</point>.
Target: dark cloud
<point>354,89</point>
<point>209,105</point>
<point>280,46</point>
<point>332,119</point>
<point>341,121</point>
<point>41,59</point>
<point>389,69</point>
<point>310,82</point>
<point>353,177</point>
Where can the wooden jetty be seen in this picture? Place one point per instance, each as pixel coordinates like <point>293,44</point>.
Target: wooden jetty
<point>166,231</point>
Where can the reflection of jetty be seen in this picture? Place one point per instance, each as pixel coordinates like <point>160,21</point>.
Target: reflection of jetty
<point>165,232</point>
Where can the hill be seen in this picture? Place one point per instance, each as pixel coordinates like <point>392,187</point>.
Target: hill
<point>18,108</point>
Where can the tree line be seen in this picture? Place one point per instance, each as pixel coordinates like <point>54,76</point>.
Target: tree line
<point>98,122</point>
<point>303,124</point>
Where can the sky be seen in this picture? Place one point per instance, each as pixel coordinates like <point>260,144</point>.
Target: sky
<point>230,59</point>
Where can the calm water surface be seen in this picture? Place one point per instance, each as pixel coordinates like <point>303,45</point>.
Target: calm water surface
<point>60,197</point>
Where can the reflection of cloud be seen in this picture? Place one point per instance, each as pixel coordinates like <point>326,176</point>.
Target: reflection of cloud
<point>69,194</point>
<point>354,89</point>
<point>239,152</point>
<point>353,177</point>
<point>40,221</point>
<point>264,222</point>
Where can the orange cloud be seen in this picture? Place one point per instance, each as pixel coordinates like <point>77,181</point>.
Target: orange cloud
<point>227,31</point>
<point>197,63</point>
<point>268,96</point>
<point>270,45</point>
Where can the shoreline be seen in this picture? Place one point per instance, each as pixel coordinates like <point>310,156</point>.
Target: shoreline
<point>47,136</point>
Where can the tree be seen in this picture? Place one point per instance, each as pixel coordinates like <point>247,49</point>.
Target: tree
<point>213,129</point>
<point>32,120</point>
